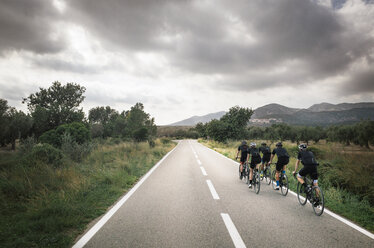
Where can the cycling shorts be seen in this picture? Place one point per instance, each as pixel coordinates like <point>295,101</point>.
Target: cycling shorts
<point>282,161</point>
<point>243,159</point>
<point>265,159</point>
<point>309,170</point>
<point>252,165</point>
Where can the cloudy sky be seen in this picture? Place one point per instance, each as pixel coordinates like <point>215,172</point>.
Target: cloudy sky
<point>184,58</point>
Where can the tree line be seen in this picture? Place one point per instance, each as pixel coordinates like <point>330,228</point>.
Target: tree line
<point>55,112</point>
<point>234,125</point>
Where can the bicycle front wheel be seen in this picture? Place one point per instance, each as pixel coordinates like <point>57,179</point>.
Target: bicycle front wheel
<point>284,184</point>
<point>301,195</point>
<point>256,182</point>
<point>317,200</point>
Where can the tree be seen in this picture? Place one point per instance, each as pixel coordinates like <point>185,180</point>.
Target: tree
<point>19,126</point>
<point>237,121</point>
<point>200,128</point>
<point>13,124</point>
<point>217,130</point>
<point>101,115</point>
<point>59,104</point>
<point>136,119</point>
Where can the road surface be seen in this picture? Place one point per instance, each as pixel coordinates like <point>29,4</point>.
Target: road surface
<point>195,199</point>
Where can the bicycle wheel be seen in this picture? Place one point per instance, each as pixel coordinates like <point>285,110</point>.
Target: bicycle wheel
<point>301,195</point>
<point>240,174</point>
<point>273,183</point>
<point>317,200</point>
<point>256,182</point>
<point>283,180</point>
<point>267,174</point>
<point>247,175</point>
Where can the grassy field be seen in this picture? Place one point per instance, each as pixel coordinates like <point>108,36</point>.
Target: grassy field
<point>44,205</point>
<point>345,176</point>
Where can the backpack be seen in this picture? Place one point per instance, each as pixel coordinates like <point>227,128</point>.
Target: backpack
<point>307,158</point>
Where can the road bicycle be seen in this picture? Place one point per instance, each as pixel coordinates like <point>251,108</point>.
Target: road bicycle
<point>245,173</point>
<point>266,174</point>
<point>283,182</point>
<point>312,193</point>
<point>256,181</point>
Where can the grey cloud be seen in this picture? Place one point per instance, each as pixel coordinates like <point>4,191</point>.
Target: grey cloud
<point>359,83</point>
<point>29,25</point>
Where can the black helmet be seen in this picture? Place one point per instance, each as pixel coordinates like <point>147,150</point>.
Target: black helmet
<point>244,142</point>
<point>302,146</point>
<point>279,144</point>
<point>263,144</point>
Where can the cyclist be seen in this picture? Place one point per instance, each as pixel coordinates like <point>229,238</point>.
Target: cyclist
<point>255,160</point>
<point>283,159</point>
<point>310,167</point>
<point>244,156</point>
<point>266,153</point>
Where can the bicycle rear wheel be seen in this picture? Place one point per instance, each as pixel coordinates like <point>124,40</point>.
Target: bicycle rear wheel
<point>256,182</point>
<point>284,184</point>
<point>317,200</point>
<point>301,195</point>
<point>273,183</point>
<point>240,174</point>
<point>267,174</point>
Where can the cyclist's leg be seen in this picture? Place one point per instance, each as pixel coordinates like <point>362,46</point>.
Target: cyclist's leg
<point>278,170</point>
<point>300,176</point>
<point>241,166</point>
<point>314,176</point>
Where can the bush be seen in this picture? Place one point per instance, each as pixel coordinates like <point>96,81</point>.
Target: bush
<point>27,145</point>
<point>151,143</point>
<point>73,150</point>
<point>165,141</point>
<point>78,132</point>
<point>45,153</point>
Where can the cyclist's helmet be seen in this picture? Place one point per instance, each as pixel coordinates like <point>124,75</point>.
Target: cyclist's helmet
<point>302,146</point>
<point>244,142</point>
<point>263,144</point>
<point>279,144</point>
<point>253,144</point>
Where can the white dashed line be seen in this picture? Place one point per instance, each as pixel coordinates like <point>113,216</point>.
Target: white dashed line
<point>212,190</point>
<point>203,171</point>
<point>198,161</point>
<point>235,236</point>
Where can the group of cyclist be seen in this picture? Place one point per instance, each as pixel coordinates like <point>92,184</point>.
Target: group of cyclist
<point>251,155</point>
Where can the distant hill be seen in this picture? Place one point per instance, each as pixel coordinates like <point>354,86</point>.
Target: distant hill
<point>196,119</point>
<point>319,114</point>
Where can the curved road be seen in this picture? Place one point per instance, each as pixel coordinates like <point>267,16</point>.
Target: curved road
<point>195,199</point>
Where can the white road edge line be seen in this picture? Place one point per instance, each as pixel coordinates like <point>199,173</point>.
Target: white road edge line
<point>327,211</point>
<point>212,190</point>
<point>203,171</point>
<point>235,236</point>
<point>85,238</point>
<point>198,161</point>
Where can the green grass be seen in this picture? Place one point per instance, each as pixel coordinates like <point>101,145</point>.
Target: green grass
<point>43,206</point>
<point>344,177</point>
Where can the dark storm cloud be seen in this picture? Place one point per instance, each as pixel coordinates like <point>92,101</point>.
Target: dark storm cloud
<point>360,83</point>
<point>28,25</point>
<point>319,41</point>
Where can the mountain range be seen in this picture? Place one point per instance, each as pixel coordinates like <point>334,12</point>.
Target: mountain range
<point>318,114</point>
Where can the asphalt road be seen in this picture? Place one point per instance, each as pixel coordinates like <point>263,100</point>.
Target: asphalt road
<point>195,199</point>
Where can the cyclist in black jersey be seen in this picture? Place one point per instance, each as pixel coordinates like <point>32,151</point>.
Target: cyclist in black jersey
<point>283,159</point>
<point>255,160</point>
<point>266,153</point>
<point>244,149</point>
<point>310,166</point>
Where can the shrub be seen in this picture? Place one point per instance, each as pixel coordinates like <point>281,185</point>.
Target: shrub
<point>78,132</point>
<point>151,143</point>
<point>45,153</point>
<point>73,150</point>
<point>165,141</point>
<point>27,145</point>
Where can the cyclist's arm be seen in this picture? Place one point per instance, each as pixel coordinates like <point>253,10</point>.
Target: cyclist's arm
<point>296,166</point>
<point>271,158</point>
